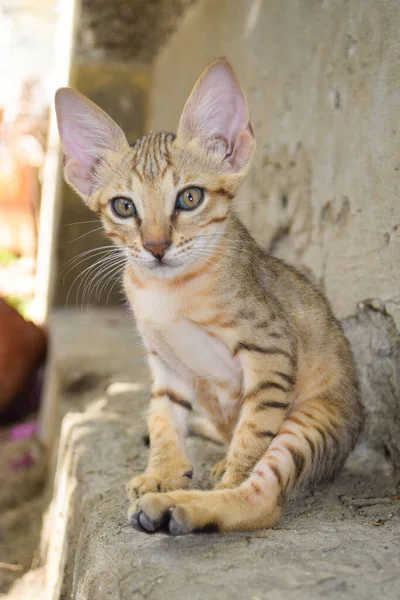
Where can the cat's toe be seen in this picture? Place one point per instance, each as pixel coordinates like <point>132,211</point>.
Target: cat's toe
<point>178,523</point>
<point>158,482</point>
<point>135,521</point>
<point>149,515</point>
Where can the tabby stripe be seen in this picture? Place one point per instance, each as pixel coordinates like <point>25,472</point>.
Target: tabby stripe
<point>277,474</point>
<point>275,335</point>
<point>217,320</point>
<point>272,404</point>
<point>263,324</point>
<point>212,221</point>
<point>322,433</point>
<point>146,162</point>
<point>223,192</point>
<point>290,380</point>
<point>320,429</point>
<point>262,434</point>
<point>298,460</point>
<point>173,398</point>
<point>156,153</point>
<point>137,173</point>
<point>311,444</point>
<point>295,419</point>
<point>265,385</point>
<point>137,158</point>
<point>261,350</point>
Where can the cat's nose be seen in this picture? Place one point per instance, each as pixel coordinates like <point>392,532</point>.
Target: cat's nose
<point>157,248</point>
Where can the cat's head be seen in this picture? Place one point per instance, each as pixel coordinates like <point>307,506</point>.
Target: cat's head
<point>165,199</point>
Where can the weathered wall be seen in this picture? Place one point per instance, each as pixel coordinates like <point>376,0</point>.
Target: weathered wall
<point>323,85</point>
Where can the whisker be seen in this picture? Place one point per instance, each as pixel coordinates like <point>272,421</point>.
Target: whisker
<point>87,254</point>
<point>79,223</point>
<point>116,271</point>
<point>101,269</point>
<point>81,274</point>
<point>85,234</point>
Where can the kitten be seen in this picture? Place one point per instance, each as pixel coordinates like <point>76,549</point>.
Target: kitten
<point>226,326</point>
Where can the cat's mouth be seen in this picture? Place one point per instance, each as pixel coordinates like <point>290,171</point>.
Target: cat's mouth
<point>164,267</point>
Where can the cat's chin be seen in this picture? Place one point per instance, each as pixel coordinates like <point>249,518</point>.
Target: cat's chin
<point>168,269</point>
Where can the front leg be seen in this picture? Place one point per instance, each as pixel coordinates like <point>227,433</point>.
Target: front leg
<point>171,400</point>
<point>268,382</point>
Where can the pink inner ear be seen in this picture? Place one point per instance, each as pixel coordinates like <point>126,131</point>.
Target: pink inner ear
<point>216,112</point>
<point>80,177</point>
<point>76,145</point>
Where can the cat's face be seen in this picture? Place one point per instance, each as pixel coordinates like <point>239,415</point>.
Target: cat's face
<point>165,200</point>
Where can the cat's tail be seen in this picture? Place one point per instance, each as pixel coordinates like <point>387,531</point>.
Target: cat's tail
<point>313,443</point>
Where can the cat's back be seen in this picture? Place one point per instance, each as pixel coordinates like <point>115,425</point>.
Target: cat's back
<point>298,300</point>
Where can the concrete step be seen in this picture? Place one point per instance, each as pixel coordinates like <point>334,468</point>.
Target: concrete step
<point>339,542</point>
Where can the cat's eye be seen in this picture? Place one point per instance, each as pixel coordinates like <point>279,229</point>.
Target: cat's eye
<point>123,207</point>
<point>190,198</point>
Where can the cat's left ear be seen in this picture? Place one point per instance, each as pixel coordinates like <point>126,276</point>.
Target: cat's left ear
<point>216,117</point>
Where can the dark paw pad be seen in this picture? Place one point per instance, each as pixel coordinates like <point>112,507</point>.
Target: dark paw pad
<point>142,522</point>
<point>177,522</point>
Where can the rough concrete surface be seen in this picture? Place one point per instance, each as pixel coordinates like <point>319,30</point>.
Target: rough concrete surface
<point>376,346</point>
<point>341,541</point>
<point>126,31</point>
<point>322,83</point>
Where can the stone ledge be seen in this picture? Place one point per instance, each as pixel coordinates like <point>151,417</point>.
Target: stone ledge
<point>326,546</point>
<point>339,542</point>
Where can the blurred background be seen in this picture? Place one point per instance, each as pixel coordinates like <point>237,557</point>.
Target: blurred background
<point>27,44</point>
<point>322,81</point>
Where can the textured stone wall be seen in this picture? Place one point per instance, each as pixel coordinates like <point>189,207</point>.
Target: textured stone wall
<point>323,86</point>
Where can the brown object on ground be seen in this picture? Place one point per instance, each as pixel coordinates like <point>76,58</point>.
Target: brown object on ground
<point>22,349</point>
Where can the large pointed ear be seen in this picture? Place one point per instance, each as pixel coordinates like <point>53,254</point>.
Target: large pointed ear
<point>87,134</point>
<point>216,117</point>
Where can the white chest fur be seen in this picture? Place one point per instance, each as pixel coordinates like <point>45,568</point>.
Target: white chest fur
<point>164,319</point>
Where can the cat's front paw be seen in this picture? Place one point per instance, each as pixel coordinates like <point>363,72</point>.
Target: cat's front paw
<point>158,482</point>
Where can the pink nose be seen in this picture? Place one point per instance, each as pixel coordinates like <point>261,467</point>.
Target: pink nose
<point>157,248</point>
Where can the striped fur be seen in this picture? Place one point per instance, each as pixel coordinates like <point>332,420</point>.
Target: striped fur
<point>226,326</point>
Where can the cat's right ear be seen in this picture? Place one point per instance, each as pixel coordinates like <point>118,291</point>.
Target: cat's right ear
<point>216,118</point>
<point>87,134</point>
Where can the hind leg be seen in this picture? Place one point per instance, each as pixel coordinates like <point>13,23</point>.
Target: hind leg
<point>268,383</point>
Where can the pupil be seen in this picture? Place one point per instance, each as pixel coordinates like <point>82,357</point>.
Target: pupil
<point>190,198</point>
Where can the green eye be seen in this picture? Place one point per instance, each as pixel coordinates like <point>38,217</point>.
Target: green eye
<point>189,198</point>
<point>123,207</point>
